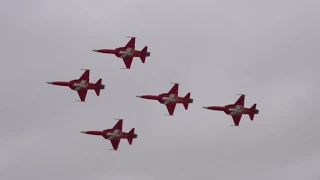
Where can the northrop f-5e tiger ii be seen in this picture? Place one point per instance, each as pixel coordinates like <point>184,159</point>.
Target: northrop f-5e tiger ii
<point>115,134</point>
<point>236,110</point>
<point>170,99</point>
<point>127,53</point>
<point>81,85</point>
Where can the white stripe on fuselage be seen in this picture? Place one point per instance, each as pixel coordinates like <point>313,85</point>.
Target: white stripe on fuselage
<point>80,85</point>
<point>115,133</point>
<point>169,99</point>
<point>237,110</point>
<point>128,51</point>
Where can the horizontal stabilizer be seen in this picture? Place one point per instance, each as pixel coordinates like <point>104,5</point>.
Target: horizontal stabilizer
<point>97,89</point>
<point>143,54</point>
<point>251,114</point>
<point>130,136</point>
<point>186,101</point>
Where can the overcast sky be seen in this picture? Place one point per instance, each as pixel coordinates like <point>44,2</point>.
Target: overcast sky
<point>268,50</point>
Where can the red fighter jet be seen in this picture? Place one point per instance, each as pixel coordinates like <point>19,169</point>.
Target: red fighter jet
<point>236,110</point>
<point>115,134</point>
<point>127,53</point>
<point>170,99</point>
<point>82,85</point>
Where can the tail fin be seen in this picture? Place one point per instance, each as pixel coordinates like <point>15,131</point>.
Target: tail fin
<point>130,136</point>
<point>186,101</point>
<point>251,114</point>
<point>97,89</point>
<point>143,54</point>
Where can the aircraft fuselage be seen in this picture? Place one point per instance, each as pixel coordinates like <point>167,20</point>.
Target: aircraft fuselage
<point>111,134</point>
<point>166,98</point>
<point>76,85</point>
<point>122,52</point>
<point>232,109</point>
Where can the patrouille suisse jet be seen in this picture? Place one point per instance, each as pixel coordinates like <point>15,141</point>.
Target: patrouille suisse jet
<point>127,53</point>
<point>170,99</point>
<point>115,134</point>
<point>81,85</point>
<point>236,110</point>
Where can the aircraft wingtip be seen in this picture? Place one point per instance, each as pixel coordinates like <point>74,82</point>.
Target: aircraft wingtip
<point>117,118</point>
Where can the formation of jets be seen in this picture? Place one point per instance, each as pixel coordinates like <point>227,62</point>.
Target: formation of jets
<point>169,99</point>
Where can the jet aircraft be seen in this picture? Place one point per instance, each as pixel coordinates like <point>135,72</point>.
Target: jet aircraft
<point>82,85</point>
<point>236,110</point>
<point>127,53</point>
<point>115,134</point>
<point>170,99</point>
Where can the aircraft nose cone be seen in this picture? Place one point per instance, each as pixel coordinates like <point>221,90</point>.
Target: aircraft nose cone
<point>49,82</point>
<point>95,50</point>
<point>205,107</point>
<point>84,132</point>
<point>139,96</point>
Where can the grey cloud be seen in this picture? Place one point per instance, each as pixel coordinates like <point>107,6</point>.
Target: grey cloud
<point>215,49</point>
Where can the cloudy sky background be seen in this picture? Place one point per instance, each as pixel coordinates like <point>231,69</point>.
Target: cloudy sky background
<point>268,50</point>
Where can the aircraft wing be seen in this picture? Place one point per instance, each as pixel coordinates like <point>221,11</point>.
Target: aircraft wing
<point>115,143</point>
<point>82,93</point>
<point>118,125</point>
<point>127,61</point>
<point>236,119</point>
<point>131,43</point>
<point>85,76</point>
<point>171,107</point>
<point>174,89</point>
<point>240,101</point>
